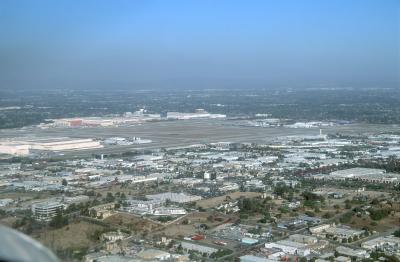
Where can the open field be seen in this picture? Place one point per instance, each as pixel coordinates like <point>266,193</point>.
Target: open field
<point>182,133</point>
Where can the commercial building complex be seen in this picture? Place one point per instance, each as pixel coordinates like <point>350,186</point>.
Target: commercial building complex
<point>370,175</point>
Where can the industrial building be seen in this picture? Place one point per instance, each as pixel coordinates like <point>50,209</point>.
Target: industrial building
<point>370,175</point>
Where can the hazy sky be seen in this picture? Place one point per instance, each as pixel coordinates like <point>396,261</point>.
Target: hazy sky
<point>199,43</point>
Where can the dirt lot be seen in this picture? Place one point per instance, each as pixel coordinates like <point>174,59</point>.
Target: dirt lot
<point>215,201</point>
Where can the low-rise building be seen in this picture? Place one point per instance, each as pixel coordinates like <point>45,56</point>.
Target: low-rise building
<point>319,229</point>
<point>336,232</point>
<point>341,233</point>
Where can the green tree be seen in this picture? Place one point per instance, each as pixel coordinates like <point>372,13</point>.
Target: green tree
<point>59,220</point>
<point>109,198</point>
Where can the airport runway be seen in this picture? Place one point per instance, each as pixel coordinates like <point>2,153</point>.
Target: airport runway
<point>186,132</point>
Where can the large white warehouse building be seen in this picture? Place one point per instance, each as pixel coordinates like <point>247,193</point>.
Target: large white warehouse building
<point>25,147</point>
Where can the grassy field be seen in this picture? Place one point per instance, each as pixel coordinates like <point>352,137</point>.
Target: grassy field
<point>75,235</point>
<point>131,222</point>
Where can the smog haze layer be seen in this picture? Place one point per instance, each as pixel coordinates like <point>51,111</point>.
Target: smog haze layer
<point>138,45</point>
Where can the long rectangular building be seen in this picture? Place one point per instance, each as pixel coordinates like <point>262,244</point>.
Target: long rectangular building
<point>25,147</point>
<point>369,175</point>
